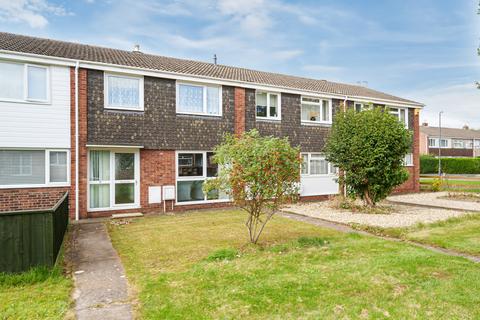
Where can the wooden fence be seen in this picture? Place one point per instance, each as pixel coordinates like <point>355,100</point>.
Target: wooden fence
<point>32,238</point>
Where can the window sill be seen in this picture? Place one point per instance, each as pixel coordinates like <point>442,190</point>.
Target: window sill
<point>274,120</point>
<point>328,175</point>
<point>186,203</point>
<point>203,115</point>
<point>124,109</point>
<point>34,186</point>
<point>316,124</point>
<point>46,103</point>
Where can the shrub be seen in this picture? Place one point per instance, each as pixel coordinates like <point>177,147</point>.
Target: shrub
<point>312,242</point>
<point>222,254</point>
<point>436,185</point>
<point>429,164</point>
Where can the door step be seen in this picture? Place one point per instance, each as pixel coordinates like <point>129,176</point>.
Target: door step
<point>127,215</point>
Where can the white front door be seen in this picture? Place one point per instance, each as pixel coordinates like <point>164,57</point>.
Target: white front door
<point>113,179</point>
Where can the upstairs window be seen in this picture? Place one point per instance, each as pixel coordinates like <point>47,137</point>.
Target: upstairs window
<point>401,114</point>
<point>316,110</point>
<point>199,99</point>
<point>123,92</point>
<point>268,105</point>
<point>23,82</point>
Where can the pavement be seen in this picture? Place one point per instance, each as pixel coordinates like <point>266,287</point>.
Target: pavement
<point>101,287</point>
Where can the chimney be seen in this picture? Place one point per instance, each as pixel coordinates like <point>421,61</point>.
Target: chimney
<point>215,59</point>
<point>136,48</point>
<point>466,127</point>
<point>425,124</point>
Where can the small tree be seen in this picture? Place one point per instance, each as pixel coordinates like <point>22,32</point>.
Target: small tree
<point>370,147</point>
<point>259,173</point>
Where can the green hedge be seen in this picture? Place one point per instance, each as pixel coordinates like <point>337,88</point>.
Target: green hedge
<point>429,164</point>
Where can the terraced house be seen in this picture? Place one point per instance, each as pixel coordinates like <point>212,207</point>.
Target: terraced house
<point>133,132</point>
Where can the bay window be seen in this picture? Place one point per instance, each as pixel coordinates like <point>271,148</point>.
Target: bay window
<point>316,110</point>
<point>24,82</point>
<point>199,99</point>
<point>33,168</point>
<point>193,169</point>
<point>401,114</point>
<point>123,92</point>
<point>267,105</point>
<point>315,164</point>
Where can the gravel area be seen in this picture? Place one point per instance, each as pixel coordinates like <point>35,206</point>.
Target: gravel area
<point>401,215</point>
<point>435,199</point>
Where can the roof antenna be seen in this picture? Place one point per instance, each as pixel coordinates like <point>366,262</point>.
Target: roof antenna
<point>136,48</point>
<point>215,59</point>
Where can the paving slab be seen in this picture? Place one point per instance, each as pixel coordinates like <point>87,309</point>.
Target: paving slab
<point>101,287</point>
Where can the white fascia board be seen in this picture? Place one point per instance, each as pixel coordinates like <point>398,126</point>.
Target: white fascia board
<point>195,78</point>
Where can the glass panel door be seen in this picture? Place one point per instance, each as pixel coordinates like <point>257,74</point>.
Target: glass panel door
<point>124,178</point>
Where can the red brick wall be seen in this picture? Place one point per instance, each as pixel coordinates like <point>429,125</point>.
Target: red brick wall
<point>413,182</point>
<point>451,152</point>
<point>27,199</point>
<point>239,110</point>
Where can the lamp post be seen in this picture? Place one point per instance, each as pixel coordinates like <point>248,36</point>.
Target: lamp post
<point>440,144</point>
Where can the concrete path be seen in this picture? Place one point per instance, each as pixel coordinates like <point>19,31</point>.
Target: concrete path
<point>347,229</point>
<point>101,288</point>
<point>433,200</point>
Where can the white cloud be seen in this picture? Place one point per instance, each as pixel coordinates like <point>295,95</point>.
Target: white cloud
<point>32,12</point>
<point>460,104</point>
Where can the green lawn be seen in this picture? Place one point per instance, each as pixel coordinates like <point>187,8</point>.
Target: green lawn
<point>461,234</point>
<point>453,182</point>
<point>198,266</point>
<point>37,294</point>
<point>452,185</point>
<point>40,293</point>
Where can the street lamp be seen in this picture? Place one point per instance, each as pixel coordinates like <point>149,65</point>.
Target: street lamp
<point>440,144</point>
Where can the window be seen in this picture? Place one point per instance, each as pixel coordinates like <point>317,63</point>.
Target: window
<point>458,144</point>
<point>268,105</point>
<point>199,99</point>
<point>23,82</point>
<point>401,114</point>
<point>316,110</point>
<point>443,143</point>
<point>408,160</point>
<point>361,106</point>
<point>315,164</point>
<point>123,92</point>
<point>30,168</point>
<point>432,142</point>
<point>58,166</point>
<point>113,179</point>
<point>193,168</point>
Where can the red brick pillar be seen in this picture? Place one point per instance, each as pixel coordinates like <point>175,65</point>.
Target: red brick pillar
<point>239,110</point>
<point>82,142</point>
<point>416,149</point>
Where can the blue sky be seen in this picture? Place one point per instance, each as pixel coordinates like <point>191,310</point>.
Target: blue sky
<point>419,49</point>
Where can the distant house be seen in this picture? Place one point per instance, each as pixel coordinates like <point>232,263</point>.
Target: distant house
<point>454,142</point>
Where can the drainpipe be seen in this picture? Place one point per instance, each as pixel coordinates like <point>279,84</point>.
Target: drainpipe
<point>77,64</point>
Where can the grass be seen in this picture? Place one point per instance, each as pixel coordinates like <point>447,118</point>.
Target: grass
<point>199,266</point>
<point>452,185</point>
<point>453,182</point>
<point>460,234</point>
<point>40,293</point>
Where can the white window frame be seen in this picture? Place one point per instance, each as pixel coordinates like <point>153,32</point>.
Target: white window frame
<point>447,145</point>
<point>462,142</point>
<point>127,76</point>
<point>279,108</point>
<point>25,98</point>
<point>320,105</point>
<point>434,144</point>
<point>363,106</point>
<point>47,182</point>
<point>395,111</point>
<point>331,170</point>
<point>111,182</point>
<point>204,87</point>
<point>406,162</point>
<point>203,177</point>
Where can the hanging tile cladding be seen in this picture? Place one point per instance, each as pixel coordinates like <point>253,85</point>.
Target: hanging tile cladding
<point>310,138</point>
<point>158,126</point>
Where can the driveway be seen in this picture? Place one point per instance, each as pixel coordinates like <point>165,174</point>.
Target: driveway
<point>434,200</point>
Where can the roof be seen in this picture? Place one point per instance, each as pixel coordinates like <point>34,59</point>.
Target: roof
<point>76,51</point>
<point>451,132</point>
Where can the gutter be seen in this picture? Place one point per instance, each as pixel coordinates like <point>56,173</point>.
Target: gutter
<point>77,65</point>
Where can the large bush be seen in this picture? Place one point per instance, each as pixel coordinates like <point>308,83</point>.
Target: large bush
<point>429,164</point>
<point>370,147</point>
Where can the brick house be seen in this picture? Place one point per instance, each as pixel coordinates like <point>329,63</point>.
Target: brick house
<point>133,132</point>
<point>454,142</point>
